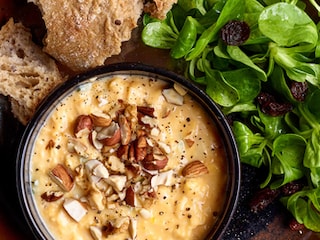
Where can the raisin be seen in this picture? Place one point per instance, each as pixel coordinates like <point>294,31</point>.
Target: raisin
<point>276,109</point>
<point>295,225</point>
<point>291,188</point>
<point>235,32</point>
<point>299,90</point>
<point>270,106</point>
<point>265,98</point>
<point>263,198</point>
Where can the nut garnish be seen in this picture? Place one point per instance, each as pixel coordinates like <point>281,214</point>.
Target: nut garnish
<point>83,123</point>
<point>110,135</point>
<point>51,196</point>
<point>125,130</point>
<point>194,169</point>
<point>101,119</point>
<point>156,160</point>
<point>95,232</point>
<point>181,90</point>
<point>94,141</point>
<point>131,197</point>
<point>123,160</point>
<point>75,146</point>
<point>75,209</point>
<point>149,111</point>
<point>133,228</point>
<point>62,177</point>
<point>172,96</point>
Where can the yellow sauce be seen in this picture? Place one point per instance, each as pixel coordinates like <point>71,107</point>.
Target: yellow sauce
<point>187,209</point>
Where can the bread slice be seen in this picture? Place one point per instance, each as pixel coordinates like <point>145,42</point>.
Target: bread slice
<point>27,74</point>
<point>83,34</point>
<point>159,8</point>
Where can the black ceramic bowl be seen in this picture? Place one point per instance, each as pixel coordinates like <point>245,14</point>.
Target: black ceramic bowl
<point>24,153</point>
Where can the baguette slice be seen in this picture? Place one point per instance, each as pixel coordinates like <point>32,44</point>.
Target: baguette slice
<point>27,74</point>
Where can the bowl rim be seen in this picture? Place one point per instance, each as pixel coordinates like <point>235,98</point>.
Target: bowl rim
<point>222,125</point>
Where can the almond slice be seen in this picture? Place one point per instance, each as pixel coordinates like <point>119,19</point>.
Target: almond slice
<point>62,177</point>
<point>118,182</point>
<point>101,119</point>
<point>163,178</point>
<point>110,135</point>
<point>172,96</point>
<point>133,228</point>
<point>90,165</point>
<point>125,130</point>
<point>93,140</point>
<point>181,90</point>
<point>95,232</point>
<point>194,169</point>
<point>116,164</point>
<point>76,146</point>
<point>95,198</point>
<point>100,171</point>
<point>75,209</point>
<point>83,123</point>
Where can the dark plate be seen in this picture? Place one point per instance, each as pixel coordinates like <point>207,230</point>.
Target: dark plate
<point>270,223</point>
<point>134,69</point>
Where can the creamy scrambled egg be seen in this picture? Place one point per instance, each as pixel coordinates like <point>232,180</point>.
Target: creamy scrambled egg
<point>87,197</point>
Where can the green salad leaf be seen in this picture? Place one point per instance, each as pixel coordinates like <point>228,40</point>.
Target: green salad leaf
<point>282,50</point>
<point>296,26</point>
<point>305,207</point>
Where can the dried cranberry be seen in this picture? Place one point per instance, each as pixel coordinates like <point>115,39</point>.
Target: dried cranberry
<point>270,106</point>
<point>299,90</point>
<point>295,225</point>
<point>263,198</point>
<point>235,32</point>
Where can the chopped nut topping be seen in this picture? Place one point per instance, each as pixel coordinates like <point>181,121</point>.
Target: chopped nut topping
<point>110,135</point>
<point>129,164</point>
<point>75,209</point>
<point>52,196</point>
<point>62,177</point>
<point>83,122</point>
<point>96,232</point>
<point>124,130</point>
<point>172,96</point>
<point>194,169</point>
<point>101,119</point>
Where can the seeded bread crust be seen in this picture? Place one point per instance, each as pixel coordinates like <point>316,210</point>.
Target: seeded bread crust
<point>159,8</point>
<point>27,74</point>
<point>83,34</point>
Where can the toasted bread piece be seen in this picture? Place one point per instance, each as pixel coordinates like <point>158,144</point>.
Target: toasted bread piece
<point>27,74</point>
<point>82,34</point>
<point>159,8</point>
